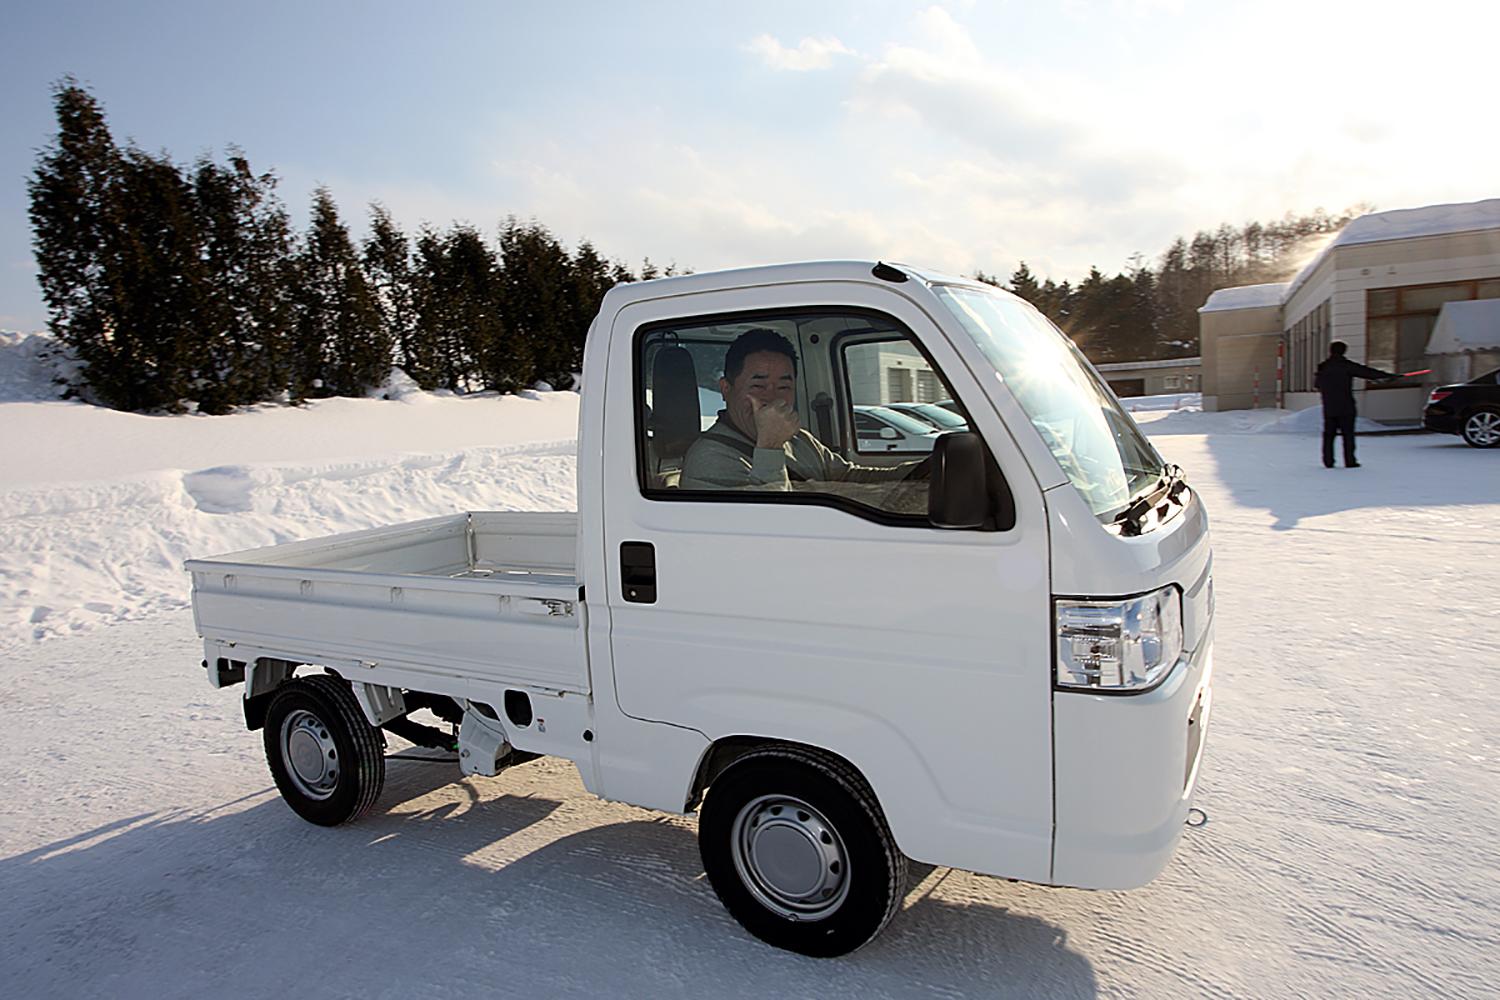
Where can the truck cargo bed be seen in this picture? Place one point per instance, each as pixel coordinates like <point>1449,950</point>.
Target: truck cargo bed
<point>484,596</point>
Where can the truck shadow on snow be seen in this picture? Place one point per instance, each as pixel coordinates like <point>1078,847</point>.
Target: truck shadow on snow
<point>471,895</point>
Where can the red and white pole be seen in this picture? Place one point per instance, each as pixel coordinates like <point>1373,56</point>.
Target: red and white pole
<point>1255,394</point>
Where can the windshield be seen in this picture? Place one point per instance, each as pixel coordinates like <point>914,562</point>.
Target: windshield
<point>1099,447</point>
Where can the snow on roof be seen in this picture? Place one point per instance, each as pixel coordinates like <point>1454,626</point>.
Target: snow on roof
<point>1432,220</point>
<point>1245,297</point>
<point>1405,224</point>
<point>1377,227</point>
<point>1466,326</point>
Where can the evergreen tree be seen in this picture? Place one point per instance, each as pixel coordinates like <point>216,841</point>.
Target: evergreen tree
<point>537,278</point>
<point>460,329</point>
<point>340,348</point>
<point>1024,284</point>
<point>489,355</point>
<point>153,264</point>
<point>590,277</point>
<point>72,203</point>
<point>388,267</point>
<point>244,321</point>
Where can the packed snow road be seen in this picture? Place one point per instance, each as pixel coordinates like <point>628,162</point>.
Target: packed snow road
<point>1352,784</point>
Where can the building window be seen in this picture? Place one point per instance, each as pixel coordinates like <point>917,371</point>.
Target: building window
<point>1306,345</point>
<point>1399,321</point>
<point>1171,382</point>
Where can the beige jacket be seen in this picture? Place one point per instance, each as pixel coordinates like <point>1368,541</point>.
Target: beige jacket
<point>718,465</point>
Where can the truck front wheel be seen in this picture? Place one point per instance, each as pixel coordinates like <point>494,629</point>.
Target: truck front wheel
<point>798,850</point>
<point>328,762</point>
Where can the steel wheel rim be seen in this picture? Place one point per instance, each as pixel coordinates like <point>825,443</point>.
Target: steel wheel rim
<point>1484,428</point>
<point>790,857</point>
<point>311,757</point>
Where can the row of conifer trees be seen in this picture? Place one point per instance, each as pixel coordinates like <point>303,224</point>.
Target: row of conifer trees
<point>186,285</point>
<point>1150,311</point>
<point>179,285</point>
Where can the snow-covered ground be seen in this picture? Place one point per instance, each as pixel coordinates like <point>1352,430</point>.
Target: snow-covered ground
<point>1352,779</point>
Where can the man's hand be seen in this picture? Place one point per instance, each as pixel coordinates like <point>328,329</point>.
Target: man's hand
<point>775,423</point>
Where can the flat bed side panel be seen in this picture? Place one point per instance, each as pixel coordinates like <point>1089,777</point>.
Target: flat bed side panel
<point>464,632</point>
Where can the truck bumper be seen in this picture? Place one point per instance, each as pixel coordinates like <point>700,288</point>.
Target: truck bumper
<point>1126,767</point>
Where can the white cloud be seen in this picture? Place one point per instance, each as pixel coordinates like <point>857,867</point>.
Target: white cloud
<point>810,53</point>
<point>949,149</point>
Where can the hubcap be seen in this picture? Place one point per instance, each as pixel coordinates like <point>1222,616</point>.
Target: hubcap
<point>1484,428</point>
<point>311,757</point>
<point>790,857</point>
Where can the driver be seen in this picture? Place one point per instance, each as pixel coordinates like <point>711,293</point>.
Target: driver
<point>758,441</point>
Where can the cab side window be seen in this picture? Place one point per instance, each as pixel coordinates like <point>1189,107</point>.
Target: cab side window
<point>900,403</point>
<point>789,407</point>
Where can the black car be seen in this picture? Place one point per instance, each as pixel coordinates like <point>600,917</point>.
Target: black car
<point>1469,409</point>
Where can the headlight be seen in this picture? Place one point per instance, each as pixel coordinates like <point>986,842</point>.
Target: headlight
<point>1122,646</point>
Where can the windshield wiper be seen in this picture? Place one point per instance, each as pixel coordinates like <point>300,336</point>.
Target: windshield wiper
<point>1129,519</point>
<point>1168,487</point>
<point>1176,481</point>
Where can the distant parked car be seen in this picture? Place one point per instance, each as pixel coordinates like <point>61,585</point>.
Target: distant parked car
<point>1469,409</point>
<point>879,428</point>
<point>940,417</point>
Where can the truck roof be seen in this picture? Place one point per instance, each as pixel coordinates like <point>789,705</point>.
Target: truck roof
<point>773,274</point>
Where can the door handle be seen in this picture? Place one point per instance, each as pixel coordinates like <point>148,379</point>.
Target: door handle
<point>638,572</point>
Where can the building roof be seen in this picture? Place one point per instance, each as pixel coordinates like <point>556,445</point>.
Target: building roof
<point>1472,325</point>
<point>1406,224</point>
<point>1246,297</point>
<point>1376,227</point>
<point>1120,366</point>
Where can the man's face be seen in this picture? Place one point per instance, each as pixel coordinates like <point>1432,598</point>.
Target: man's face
<point>766,378</point>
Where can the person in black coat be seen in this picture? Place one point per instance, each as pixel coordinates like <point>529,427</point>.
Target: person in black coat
<point>1335,381</point>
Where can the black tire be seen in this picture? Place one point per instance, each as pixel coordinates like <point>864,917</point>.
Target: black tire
<point>823,875</point>
<point>316,721</point>
<point>1481,428</point>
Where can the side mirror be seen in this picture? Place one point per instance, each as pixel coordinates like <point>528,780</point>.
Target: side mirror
<point>958,496</point>
<point>889,434</point>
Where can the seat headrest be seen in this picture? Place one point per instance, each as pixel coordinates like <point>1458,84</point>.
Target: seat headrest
<point>674,402</point>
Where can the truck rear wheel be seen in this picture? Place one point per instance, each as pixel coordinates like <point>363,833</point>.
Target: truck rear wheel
<point>798,850</point>
<point>328,762</point>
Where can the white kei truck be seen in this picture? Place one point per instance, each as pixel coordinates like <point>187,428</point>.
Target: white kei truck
<point>998,659</point>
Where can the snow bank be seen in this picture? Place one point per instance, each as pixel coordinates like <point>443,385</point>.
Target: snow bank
<point>101,508</point>
<point>1171,401</point>
<point>32,367</point>
<point>73,441</point>
<point>1310,421</point>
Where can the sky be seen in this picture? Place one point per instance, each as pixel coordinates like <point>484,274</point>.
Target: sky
<point>961,136</point>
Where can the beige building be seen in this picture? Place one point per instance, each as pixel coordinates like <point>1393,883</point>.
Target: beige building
<point>1152,378</point>
<point>1380,286</point>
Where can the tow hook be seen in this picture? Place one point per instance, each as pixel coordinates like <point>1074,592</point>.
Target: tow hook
<point>1196,817</point>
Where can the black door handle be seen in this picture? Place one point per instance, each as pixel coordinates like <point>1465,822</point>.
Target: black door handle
<point>638,572</point>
